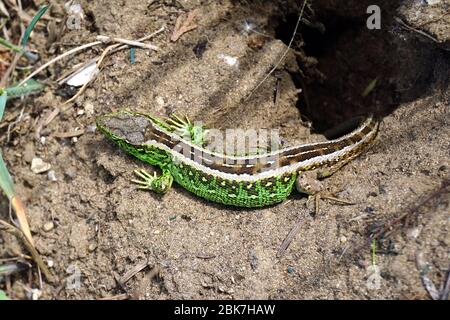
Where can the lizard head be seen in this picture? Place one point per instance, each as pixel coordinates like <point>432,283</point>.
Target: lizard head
<point>134,133</point>
<point>125,126</point>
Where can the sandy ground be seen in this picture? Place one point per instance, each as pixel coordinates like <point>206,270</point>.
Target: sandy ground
<point>103,227</point>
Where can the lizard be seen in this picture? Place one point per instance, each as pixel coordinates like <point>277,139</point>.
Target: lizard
<point>175,145</point>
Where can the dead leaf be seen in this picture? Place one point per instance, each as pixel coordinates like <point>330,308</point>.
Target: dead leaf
<point>186,26</point>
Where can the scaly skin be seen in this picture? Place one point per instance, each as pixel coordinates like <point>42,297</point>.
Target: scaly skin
<point>155,142</point>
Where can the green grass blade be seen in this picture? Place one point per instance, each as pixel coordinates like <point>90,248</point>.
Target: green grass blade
<point>28,54</point>
<point>31,86</point>
<point>9,269</point>
<point>370,87</point>
<point>33,22</point>
<point>3,295</point>
<point>3,98</point>
<point>6,183</point>
<point>10,46</point>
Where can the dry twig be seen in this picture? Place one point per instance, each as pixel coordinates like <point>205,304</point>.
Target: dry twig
<point>123,296</point>
<point>69,134</point>
<point>388,228</point>
<point>284,54</point>
<point>133,43</point>
<point>291,235</point>
<point>423,33</point>
<point>68,53</point>
<point>36,257</point>
<point>45,122</point>
<point>130,274</point>
<point>394,225</point>
<point>109,50</point>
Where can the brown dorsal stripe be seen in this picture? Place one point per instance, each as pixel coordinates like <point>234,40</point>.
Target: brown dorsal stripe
<point>251,164</point>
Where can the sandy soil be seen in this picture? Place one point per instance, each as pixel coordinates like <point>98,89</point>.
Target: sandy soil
<point>103,227</point>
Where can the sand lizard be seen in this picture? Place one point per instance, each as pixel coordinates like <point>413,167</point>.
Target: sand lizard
<point>243,181</point>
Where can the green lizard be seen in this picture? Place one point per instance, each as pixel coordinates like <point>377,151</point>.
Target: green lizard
<point>176,147</point>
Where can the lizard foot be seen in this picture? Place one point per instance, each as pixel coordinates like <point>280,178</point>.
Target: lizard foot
<point>308,183</point>
<point>186,129</point>
<point>147,181</point>
<point>325,195</point>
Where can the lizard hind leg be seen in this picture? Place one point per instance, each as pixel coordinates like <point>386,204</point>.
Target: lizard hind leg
<point>309,183</point>
<point>147,181</point>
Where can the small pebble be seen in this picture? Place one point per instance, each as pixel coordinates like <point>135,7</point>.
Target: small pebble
<point>413,233</point>
<point>443,171</point>
<point>160,101</point>
<point>229,60</point>
<point>157,232</point>
<point>28,152</point>
<point>343,239</point>
<point>35,294</point>
<point>89,108</point>
<point>91,128</point>
<point>369,210</point>
<point>71,172</point>
<point>51,176</point>
<point>39,166</point>
<point>48,226</point>
<point>92,247</point>
<point>363,263</point>
<point>50,263</point>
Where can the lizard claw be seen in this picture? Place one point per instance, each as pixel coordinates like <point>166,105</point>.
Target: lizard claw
<point>325,195</point>
<point>146,179</point>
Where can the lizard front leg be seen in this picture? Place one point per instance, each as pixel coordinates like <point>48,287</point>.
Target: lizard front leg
<point>147,181</point>
<point>308,183</point>
<point>188,130</point>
